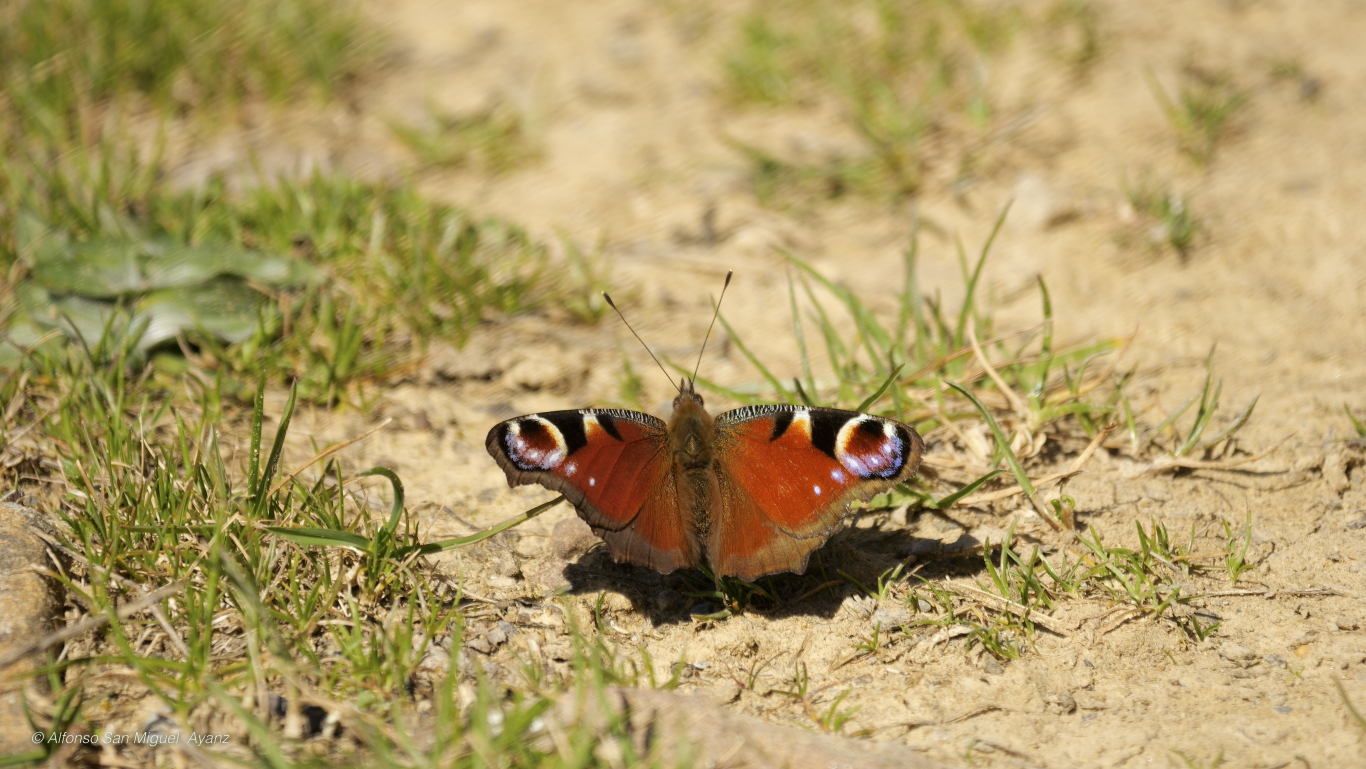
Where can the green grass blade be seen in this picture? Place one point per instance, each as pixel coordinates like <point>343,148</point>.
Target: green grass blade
<point>1361,430</point>
<point>952,499</point>
<point>707,384</point>
<point>1209,403</point>
<point>254,461</point>
<point>1147,436</point>
<point>397,511</point>
<point>1006,452</point>
<point>321,537</point>
<point>970,299</point>
<point>873,335</point>
<point>1046,344</point>
<point>768,375</point>
<point>277,448</point>
<point>801,341</point>
<point>1237,424</point>
<point>451,544</point>
<point>885,384</point>
<point>834,346</point>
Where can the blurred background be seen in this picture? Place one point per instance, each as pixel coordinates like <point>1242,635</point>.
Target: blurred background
<point>322,190</point>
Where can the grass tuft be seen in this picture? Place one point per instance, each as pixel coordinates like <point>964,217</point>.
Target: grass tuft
<point>1202,111</point>
<point>899,72</point>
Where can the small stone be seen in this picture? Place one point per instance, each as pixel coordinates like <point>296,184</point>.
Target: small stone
<point>560,651</point>
<point>1238,654</point>
<point>859,607</point>
<point>924,606</point>
<point>1087,701</point>
<point>992,667</point>
<point>500,582</point>
<point>1345,623</point>
<point>1274,660</point>
<point>572,538</point>
<point>496,636</point>
<point>548,576</point>
<point>890,620</point>
<point>1060,704</point>
<point>724,693</point>
<point>505,565</point>
<point>435,661</point>
<point>508,629</point>
<point>480,644</point>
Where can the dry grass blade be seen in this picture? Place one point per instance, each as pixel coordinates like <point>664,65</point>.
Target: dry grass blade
<point>1000,604</point>
<point>1018,405</point>
<point>1165,463</point>
<point>327,452</point>
<point>992,496</point>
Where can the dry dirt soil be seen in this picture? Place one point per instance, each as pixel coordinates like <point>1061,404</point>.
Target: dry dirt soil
<point>631,118</point>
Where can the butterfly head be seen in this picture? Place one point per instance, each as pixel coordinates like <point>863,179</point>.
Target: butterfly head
<point>687,394</point>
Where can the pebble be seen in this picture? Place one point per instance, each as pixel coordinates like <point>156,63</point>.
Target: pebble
<point>1345,623</point>
<point>890,620</point>
<point>560,651</point>
<point>992,667</point>
<point>1238,654</point>
<point>859,607</point>
<point>571,538</point>
<point>548,576</point>
<point>723,693</point>
<point>1061,704</point>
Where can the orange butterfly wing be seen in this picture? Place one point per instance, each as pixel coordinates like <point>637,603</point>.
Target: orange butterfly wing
<point>788,475</point>
<point>613,466</point>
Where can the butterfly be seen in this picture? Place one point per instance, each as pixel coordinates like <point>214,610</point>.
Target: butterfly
<point>750,492</point>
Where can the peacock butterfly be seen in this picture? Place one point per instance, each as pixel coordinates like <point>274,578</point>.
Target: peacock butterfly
<point>750,492</point>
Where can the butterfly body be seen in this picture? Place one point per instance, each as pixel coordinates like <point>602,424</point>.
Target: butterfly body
<point>751,491</point>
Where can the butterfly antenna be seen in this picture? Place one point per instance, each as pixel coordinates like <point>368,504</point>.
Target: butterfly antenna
<point>613,305</point>
<point>698,367</point>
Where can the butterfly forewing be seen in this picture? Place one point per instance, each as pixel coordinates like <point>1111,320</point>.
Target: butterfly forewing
<point>613,466</point>
<point>788,475</point>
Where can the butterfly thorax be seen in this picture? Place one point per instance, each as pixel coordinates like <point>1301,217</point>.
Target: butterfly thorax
<point>692,433</point>
<point>692,443</point>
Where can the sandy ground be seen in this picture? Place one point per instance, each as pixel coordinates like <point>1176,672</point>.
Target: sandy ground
<point>625,96</point>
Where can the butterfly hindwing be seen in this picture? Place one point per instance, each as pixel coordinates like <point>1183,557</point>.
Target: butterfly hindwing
<point>613,466</point>
<point>788,476</point>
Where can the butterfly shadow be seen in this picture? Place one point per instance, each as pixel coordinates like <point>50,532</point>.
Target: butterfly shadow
<point>855,560</point>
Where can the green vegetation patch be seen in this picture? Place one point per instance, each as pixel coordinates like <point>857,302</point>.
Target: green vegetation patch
<point>900,73</point>
<point>65,53</point>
